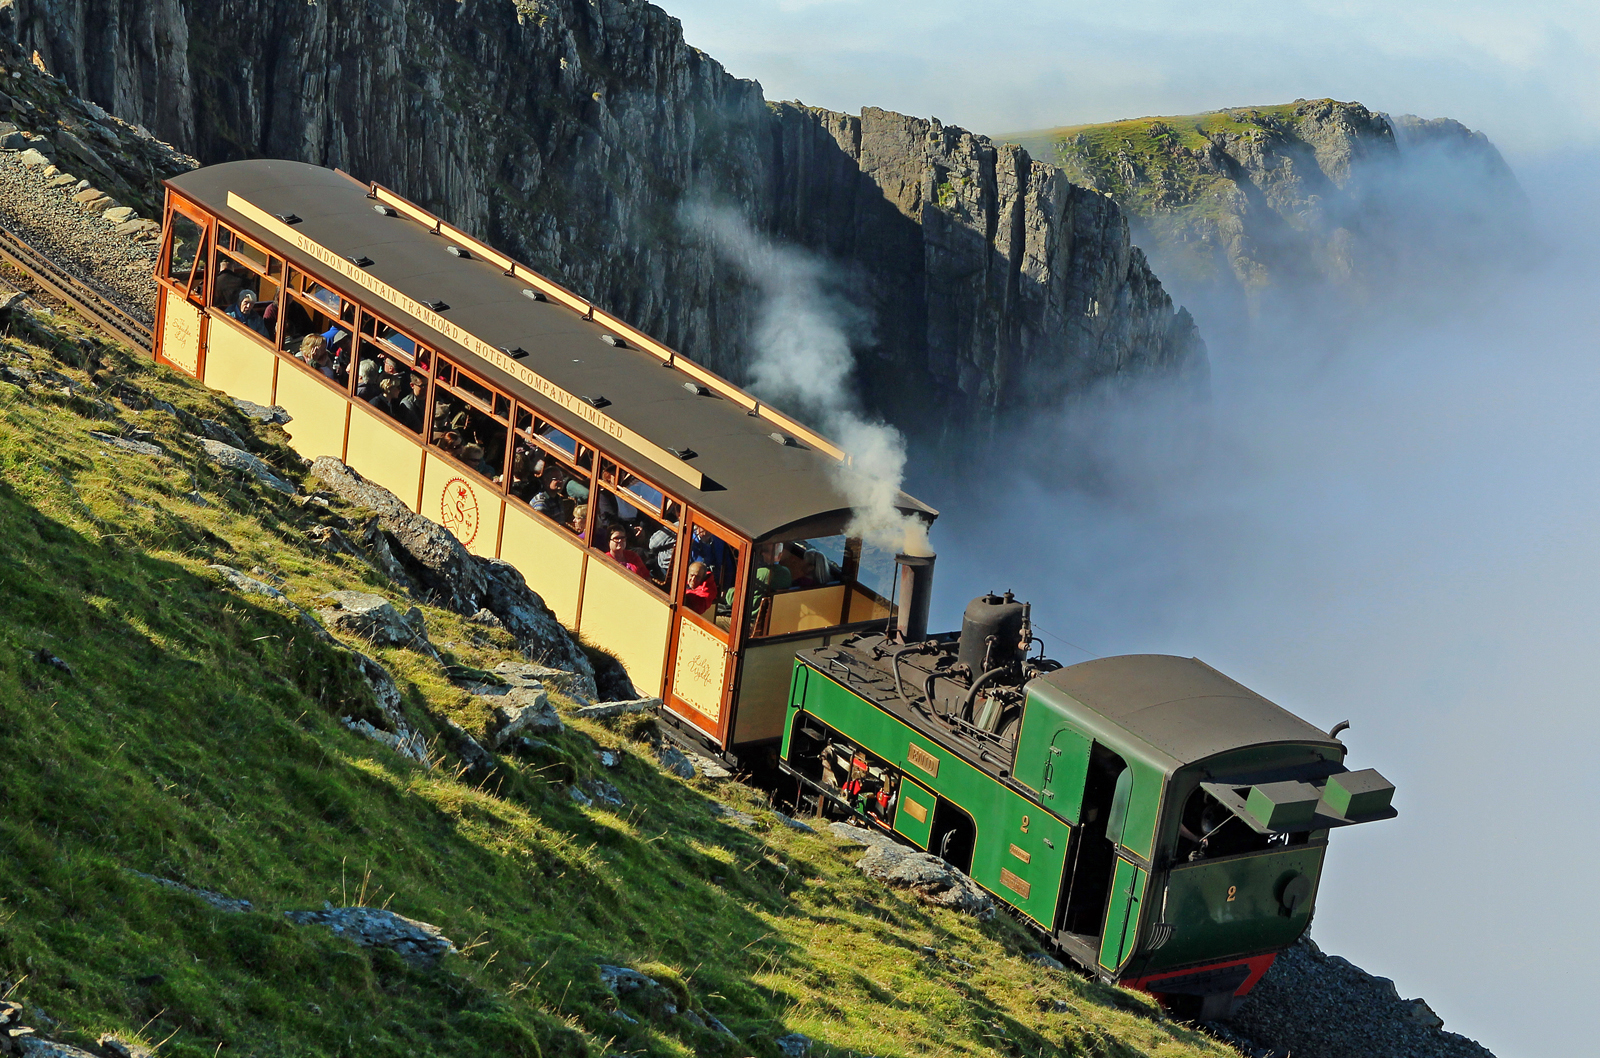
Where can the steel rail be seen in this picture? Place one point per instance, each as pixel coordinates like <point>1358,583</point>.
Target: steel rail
<point>90,303</point>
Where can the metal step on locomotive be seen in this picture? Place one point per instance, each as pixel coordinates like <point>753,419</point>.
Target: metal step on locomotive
<point>1163,824</point>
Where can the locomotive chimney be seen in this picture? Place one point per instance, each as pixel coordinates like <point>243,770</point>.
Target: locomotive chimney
<point>916,591</point>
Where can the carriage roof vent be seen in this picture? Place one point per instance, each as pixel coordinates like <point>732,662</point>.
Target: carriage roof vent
<point>287,218</point>
<point>361,261</point>
<point>384,211</point>
<point>613,340</point>
<point>515,352</point>
<point>596,401</point>
<point>437,305</point>
<point>783,439</point>
<point>696,388</point>
<point>456,251</point>
<point>533,295</point>
<point>683,453</point>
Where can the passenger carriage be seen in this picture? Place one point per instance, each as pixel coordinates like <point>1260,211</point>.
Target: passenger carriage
<point>536,376</point>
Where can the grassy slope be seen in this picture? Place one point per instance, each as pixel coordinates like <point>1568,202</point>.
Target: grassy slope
<point>1149,166</point>
<point>196,739</point>
<point>1142,136</point>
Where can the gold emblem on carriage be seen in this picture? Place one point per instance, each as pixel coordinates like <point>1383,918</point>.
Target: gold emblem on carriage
<point>458,510</point>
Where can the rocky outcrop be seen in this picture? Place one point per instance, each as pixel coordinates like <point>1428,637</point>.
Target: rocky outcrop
<point>38,112</point>
<point>570,132</point>
<point>456,579</point>
<point>1316,206</point>
<point>375,618</point>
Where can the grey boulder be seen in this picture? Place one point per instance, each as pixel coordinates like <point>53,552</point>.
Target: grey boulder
<point>933,880</point>
<point>374,618</point>
<point>523,711</point>
<point>243,462</point>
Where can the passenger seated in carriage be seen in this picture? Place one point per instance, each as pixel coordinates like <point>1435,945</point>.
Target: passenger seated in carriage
<point>619,553</point>
<point>259,316</point>
<point>700,591</point>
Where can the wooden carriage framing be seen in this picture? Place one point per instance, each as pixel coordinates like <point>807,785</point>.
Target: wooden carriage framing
<point>639,433</point>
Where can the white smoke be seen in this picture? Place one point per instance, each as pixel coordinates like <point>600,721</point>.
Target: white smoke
<point>802,341</point>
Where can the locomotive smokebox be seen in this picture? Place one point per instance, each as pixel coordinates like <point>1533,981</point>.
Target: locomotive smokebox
<point>993,633</point>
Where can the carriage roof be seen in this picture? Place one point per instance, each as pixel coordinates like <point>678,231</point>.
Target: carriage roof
<point>652,418</point>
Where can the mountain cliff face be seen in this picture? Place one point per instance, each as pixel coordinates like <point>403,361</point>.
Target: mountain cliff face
<point>570,132</point>
<point>1266,208</point>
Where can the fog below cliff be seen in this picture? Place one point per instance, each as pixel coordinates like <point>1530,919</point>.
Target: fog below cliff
<point>1397,524</point>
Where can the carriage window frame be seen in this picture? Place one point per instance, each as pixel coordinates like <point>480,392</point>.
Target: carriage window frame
<point>600,484</point>
<point>202,219</point>
<point>445,378</point>
<point>667,510</point>
<point>419,359</point>
<point>344,312</point>
<point>422,361</point>
<point>226,244</point>
<point>571,464</point>
<point>693,519</point>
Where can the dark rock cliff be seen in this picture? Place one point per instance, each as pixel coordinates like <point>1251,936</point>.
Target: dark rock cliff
<point>570,131</point>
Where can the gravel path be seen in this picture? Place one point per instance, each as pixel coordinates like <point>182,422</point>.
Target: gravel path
<point>79,184</point>
<point>80,240</point>
<point>1311,1005</point>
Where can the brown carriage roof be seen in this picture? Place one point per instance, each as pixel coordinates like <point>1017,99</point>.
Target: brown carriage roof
<point>751,483</point>
<point>1181,706</point>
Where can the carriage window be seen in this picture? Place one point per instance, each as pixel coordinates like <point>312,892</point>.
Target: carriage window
<point>471,435</point>
<point>393,342</point>
<point>551,471</point>
<point>324,299</point>
<point>231,241</point>
<point>317,338</point>
<point>709,576</point>
<point>237,273</point>
<point>187,246</point>
<point>392,373</point>
<point>634,532</point>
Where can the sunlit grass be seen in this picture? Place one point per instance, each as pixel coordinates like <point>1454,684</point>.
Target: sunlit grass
<point>197,738</point>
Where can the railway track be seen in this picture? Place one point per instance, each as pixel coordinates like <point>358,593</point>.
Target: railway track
<point>88,302</point>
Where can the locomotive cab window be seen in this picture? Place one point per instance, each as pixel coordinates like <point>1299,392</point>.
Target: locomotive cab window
<point>1209,829</point>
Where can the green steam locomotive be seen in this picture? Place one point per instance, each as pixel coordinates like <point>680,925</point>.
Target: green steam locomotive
<point>1164,825</point>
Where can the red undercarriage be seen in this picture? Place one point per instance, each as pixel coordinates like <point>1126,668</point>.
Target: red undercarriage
<point>1258,965</point>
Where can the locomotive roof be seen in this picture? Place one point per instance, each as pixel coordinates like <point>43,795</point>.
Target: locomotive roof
<point>737,473</point>
<point>1182,707</point>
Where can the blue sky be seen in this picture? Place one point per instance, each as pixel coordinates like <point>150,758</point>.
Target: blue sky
<point>1526,73</point>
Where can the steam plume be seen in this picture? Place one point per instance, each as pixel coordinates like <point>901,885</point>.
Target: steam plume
<point>802,339</point>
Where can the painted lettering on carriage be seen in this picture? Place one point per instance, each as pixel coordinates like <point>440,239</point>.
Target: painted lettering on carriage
<point>471,342</point>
